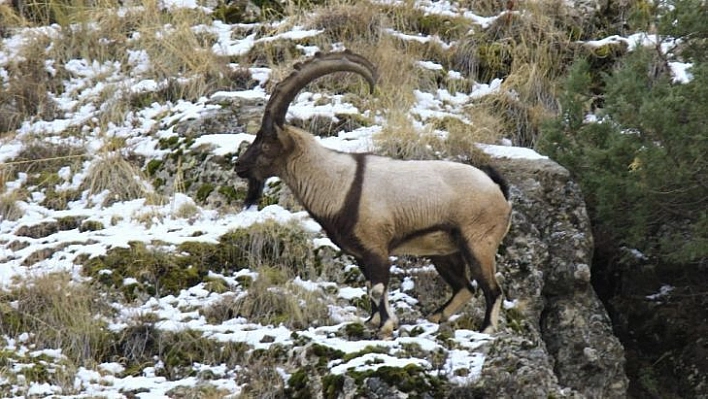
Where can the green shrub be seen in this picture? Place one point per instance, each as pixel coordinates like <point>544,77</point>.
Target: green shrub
<point>641,163</point>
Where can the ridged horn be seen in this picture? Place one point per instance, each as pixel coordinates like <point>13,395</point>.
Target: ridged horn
<point>320,65</point>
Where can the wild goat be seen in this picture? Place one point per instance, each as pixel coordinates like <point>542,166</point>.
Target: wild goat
<point>373,207</point>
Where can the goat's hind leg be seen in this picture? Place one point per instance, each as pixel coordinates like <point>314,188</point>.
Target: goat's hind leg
<point>452,269</point>
<point>480,256</point>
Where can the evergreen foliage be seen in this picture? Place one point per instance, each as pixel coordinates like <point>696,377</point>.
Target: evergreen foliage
<point>638,151</point>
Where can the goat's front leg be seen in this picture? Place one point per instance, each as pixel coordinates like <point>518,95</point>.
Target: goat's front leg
<point>374,319</point>
<point>378,275</point>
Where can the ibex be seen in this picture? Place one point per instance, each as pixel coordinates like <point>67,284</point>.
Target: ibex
<point>373,207</point>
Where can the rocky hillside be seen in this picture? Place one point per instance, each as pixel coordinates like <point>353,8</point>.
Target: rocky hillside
<point>128,267</point>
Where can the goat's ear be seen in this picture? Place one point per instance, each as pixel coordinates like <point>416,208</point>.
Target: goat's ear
<point>285,138</point>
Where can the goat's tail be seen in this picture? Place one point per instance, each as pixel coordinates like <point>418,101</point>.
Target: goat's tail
<point>496,178</point>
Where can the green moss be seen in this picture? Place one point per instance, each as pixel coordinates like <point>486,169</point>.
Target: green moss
<point>445,335</point>
<point>216,257</point>
<point>168,143</point>
<point>69,223</point>
<point>416,331</point>
<point>58,200</point>
<point>267,200</point>
<point>332,386</point>
<point>271,194</point>
<point>217,285</point>
<point>244,281</point>
<point>324,355</point>
<point>275,352</point>
<point>188,141</point>
<point>234,13</point>
<point>11,322</point>
<point>44,179</point>
<point>352,276</point>
<point>134,369</point>
<point>412,349</point>
<point>160,273</point>
<point>159,182</point>
<point>142,100</point>
<point>176,155</point>
<point>298,384</point>
<point>153,166</point>
<point>355,330</point>
<point>38,372</point>
<point>515,321</point>
<point>363,302</point>
<point>232,194</point>
<point>366,350</point>
<point>494,59</point>
<point>179,351</point>
<point>156,272</point>
<point>446,27</point>
<point>465,323</point>
<point>204,191</point>
<point>411,379</point>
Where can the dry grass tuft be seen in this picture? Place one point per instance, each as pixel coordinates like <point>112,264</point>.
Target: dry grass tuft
<point>273,299</point>
<point>9,18</point>
<point>39,156</point>
<point>262,379</point>
<point>461,139</point>
<point>9,210</point>
<point>346,22</point>
<point>179,58</point>
<point>26,94</point>
<point>487,125</point>
<point>180,52</point>
<point>287,245</point>
<point>520,120</point>
<point>277,54</point>
<point>402,140</point>
<point>398,75</point>
<point>61,12</point>
<point>484,7</point>
<point>42,161</point>
<point>113,174</point>
<point>527,50</point>
<point>58,313</point>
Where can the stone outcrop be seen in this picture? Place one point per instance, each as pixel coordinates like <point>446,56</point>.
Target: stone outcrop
<point>567,336</point>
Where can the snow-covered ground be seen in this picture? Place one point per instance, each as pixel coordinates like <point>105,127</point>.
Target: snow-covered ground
<point>141,130</point>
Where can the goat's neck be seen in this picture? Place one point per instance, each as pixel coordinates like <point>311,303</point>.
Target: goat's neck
<point>320,178</point>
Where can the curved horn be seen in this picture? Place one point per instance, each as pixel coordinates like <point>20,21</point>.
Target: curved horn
<point>321,64</point>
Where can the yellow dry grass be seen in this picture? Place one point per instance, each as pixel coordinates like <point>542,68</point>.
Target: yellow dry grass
<point>58,313</point>
<point>112,174</point>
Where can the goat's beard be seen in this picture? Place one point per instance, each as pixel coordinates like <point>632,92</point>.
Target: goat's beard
<point>255,192</point>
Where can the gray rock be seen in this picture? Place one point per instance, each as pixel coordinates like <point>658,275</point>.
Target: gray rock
<point>550,217</point>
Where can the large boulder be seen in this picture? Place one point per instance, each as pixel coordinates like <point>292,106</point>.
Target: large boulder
<point>546,264</point>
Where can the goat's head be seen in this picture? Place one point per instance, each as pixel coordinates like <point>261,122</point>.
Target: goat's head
<point>266,156</point>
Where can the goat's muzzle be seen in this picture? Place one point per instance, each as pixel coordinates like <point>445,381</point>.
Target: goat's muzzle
<point>242,171</point>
